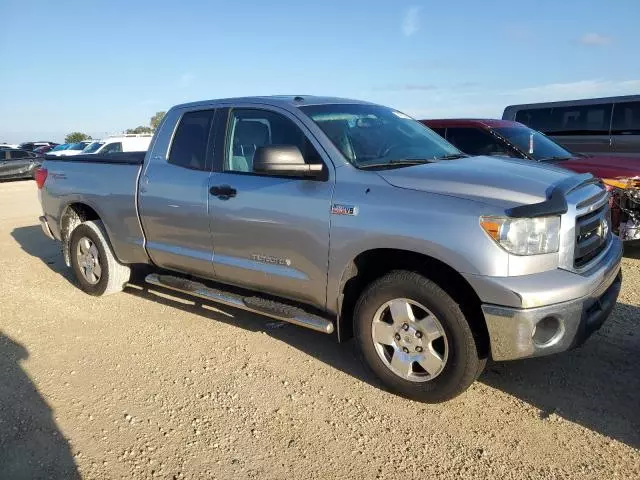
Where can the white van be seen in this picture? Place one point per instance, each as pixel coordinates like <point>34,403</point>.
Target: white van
<point>129,142</point>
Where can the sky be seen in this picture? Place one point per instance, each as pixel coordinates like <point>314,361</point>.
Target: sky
<point>103,66</point>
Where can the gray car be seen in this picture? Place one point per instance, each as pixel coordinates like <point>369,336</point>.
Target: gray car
<point>349,218</point>
<point>16,163</point>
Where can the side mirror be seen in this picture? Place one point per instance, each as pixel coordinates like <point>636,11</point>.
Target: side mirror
<point>284,160</point>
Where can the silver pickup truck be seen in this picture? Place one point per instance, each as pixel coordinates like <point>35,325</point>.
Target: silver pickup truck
<point>348,217</point>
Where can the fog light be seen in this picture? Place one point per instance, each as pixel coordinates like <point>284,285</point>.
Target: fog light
<point>547,331</point>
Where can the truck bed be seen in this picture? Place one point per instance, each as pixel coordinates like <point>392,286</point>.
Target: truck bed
<point>108,185</point>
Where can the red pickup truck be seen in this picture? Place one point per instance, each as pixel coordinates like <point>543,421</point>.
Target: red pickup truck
<point>513,139</point>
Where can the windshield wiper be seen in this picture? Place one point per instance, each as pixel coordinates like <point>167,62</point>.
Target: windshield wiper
<point>398,162</point>
<point>452,156</point>
<point>555,158</point>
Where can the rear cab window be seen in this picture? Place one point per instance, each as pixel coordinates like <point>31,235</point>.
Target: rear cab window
<point>189,145</point>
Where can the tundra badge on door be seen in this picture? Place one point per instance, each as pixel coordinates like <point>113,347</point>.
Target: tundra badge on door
<point>271,260</point>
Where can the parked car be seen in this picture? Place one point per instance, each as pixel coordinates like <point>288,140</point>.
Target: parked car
<point>42,150</point>
<point>70,149</point>
<point>345,216</point>
<point>58,148</point>
<point>16,163</point>
<point>598,125</point>
<point>7,146</point>
<point>31,146</point>
<point>513,139</point>
<point>122,143</point>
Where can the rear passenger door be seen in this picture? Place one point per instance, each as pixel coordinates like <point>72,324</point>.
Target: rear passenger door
<point>625,128</point>
<point>269,233</point>
<point>17,162</point>
<point>174,194</point>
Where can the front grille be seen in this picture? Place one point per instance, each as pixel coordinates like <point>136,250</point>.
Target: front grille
<point>593,231</point>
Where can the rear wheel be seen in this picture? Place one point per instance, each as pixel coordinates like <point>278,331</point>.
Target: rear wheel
<point>415,339</point>
<point>96,268</point>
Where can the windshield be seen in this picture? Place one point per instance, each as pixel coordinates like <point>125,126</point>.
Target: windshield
<point>538,147</point>
<point>371,134</point>
<point>57,148</point>
<point>77,146</point>
<point>92,147</point>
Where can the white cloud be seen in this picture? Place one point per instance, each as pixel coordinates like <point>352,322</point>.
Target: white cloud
<point>411,21</point>
<point>186,79</point>
<point>595,39</point>
<point>575,90</point>
<point>476,101</point>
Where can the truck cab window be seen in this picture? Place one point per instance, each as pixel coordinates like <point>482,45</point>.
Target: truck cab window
<point>189,147</point>
<point>19,154</point>
<point>250,129</point>
<point>626,119</point>
<point>112,148</point>
<point>474,141</point>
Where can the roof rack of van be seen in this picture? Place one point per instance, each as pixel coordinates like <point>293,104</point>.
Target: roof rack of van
<point>120,135</point>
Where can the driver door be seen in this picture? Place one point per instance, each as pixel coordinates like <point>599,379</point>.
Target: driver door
<point>269,233</point>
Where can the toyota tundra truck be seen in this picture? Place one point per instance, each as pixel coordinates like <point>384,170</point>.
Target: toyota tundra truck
<point>348,217</point>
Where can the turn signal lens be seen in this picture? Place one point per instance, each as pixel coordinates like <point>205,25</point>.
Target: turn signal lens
<point>492,226</point>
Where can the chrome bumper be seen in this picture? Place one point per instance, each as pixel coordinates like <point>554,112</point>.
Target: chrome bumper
<point>529,332</point>
<point>45,227</point>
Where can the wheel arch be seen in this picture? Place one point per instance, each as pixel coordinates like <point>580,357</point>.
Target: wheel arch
<point>74,214</point>
<point>371,264</point>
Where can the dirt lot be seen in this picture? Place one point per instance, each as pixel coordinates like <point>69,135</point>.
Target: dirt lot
<point>143,384</point>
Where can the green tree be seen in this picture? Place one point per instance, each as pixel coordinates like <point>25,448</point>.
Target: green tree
<point>76,137</point>
<point>139,129</point>
<point>156,119</point>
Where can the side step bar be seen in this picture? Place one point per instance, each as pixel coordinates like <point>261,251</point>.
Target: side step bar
<point>261,306</point>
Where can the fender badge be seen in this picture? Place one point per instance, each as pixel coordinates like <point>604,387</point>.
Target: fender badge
<point>341,209</point>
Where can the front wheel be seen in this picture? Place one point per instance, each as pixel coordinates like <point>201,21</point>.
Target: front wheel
<point>413,336</point>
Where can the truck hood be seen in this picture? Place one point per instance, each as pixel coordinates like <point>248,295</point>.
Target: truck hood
<point>603,166</point>
<point>492,180</point>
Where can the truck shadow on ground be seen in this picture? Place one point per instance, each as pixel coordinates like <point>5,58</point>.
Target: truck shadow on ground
<point>31,446</point>
<point>32,241</point>
<point>596,386</point>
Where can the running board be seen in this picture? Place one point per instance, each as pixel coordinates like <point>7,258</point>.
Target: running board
<point>259,305</point>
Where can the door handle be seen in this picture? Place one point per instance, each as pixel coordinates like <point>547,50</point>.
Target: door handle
<point>223,192</point>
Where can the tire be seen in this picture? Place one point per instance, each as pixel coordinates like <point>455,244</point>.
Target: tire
<point>112,277</point>
<point>449,362</point>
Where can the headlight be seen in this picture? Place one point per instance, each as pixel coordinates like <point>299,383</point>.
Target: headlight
<point>524,236</point>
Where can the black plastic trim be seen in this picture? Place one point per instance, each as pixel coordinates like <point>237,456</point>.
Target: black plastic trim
<point>556,202</point>
<point>121,158</point>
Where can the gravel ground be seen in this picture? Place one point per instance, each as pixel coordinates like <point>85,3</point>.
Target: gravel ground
<point>144,384</point>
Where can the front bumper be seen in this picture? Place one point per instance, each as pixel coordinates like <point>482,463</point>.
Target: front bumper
<point>545,329</point>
